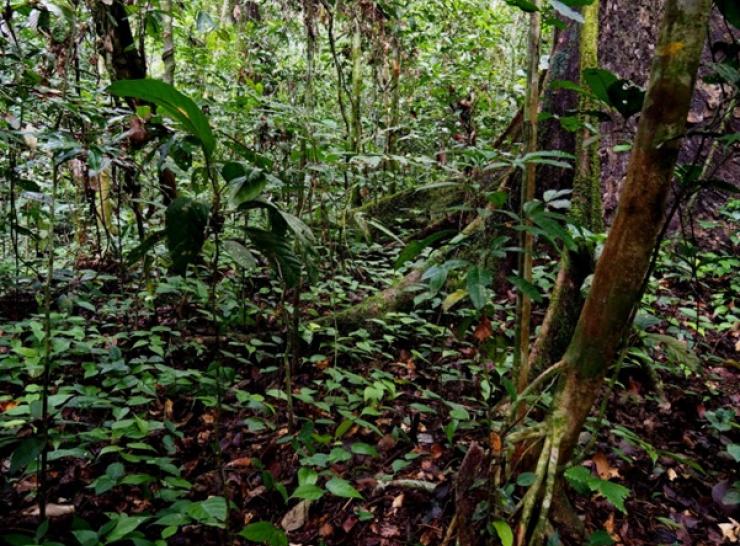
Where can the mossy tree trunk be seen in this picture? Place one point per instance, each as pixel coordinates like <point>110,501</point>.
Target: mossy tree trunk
<point>625,261</point>
<point>626,257</point>
<point>168,39</point>
<point>566,300</point>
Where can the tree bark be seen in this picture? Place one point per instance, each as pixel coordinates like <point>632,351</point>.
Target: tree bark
<point>626,257</point>
<point>586,211</point>
<point>526,239</point>
<point>168,39</point>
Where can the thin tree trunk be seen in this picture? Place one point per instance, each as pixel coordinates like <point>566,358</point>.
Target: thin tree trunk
<point>168,53</point>
<point>357,74</point>
<point>526,241</point>
<point>394,112</point>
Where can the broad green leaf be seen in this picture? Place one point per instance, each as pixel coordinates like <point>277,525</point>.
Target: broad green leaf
<point>307,476</point>
<point>525,287</point>
<point>504,532</point>
<point>734,451</point>
<point>240,254</point>
<point>342,488</point>
<point>360,448</point>
<point>566,11</point>
<point>264,532</point>
<point>614,493</point>
<point>478,282</point>
<point>86,537</point>
<point>173,103</point>
<point>212,511</point>
<point>731,10</point>
<point>125,525</point>
<point>308,491</point>
<point>28,450</point>
<point>600,538</point>
<point>524,5</point>
<point>246,182</point>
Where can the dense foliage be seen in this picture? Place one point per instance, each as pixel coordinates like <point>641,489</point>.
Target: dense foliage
<point>260,264</point>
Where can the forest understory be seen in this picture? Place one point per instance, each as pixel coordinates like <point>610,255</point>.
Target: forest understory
<point>374,273</point>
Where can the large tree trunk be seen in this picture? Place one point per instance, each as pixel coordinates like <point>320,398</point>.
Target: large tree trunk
<point>625,260</point>
<point>575,266</point>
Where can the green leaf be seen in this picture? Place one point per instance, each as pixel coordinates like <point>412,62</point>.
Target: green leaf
<point>86,537</point>
<point>277,249</point>
<point>125,525</point>
<point>525,479</point>
<point>600,538</point>
<point>478,282</point>
<point>240,254</point>
<point>504,532</point>
<point>614,493</point>
<point>212,511</point>
<point>360,448</point>
<point>246,183</point>
<point>28,450</point>
<point>734,451</point>
<point>566,11</point>
<point>173,103</point>
<point>307,476</point>
<point>264,532</point>
<point>458,412</point>
<point>414,248</point>
<point>525,287</point>
<point>308,491</point>
<point>599,80</point>
<point>185,228</point>
<point>342,488</point>
<point>731,11</point>
<point>579,478</point>
<point>524,5</point>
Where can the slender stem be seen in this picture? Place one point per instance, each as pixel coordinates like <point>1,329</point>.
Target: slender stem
<point>46,380</point>
<point>526,240</point>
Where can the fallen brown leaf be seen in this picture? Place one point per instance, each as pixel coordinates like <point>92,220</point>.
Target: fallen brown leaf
<point>483,331</point>
<point>241,462</point>
<point>603,468</point>
<point>730,531</point>
<point>296,517</point>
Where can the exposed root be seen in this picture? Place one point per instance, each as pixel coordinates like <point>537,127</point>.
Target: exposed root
<point>552,471</point>
<point>533,493</point>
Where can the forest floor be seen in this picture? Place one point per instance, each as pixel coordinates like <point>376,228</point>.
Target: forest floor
<point>139,430</point>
